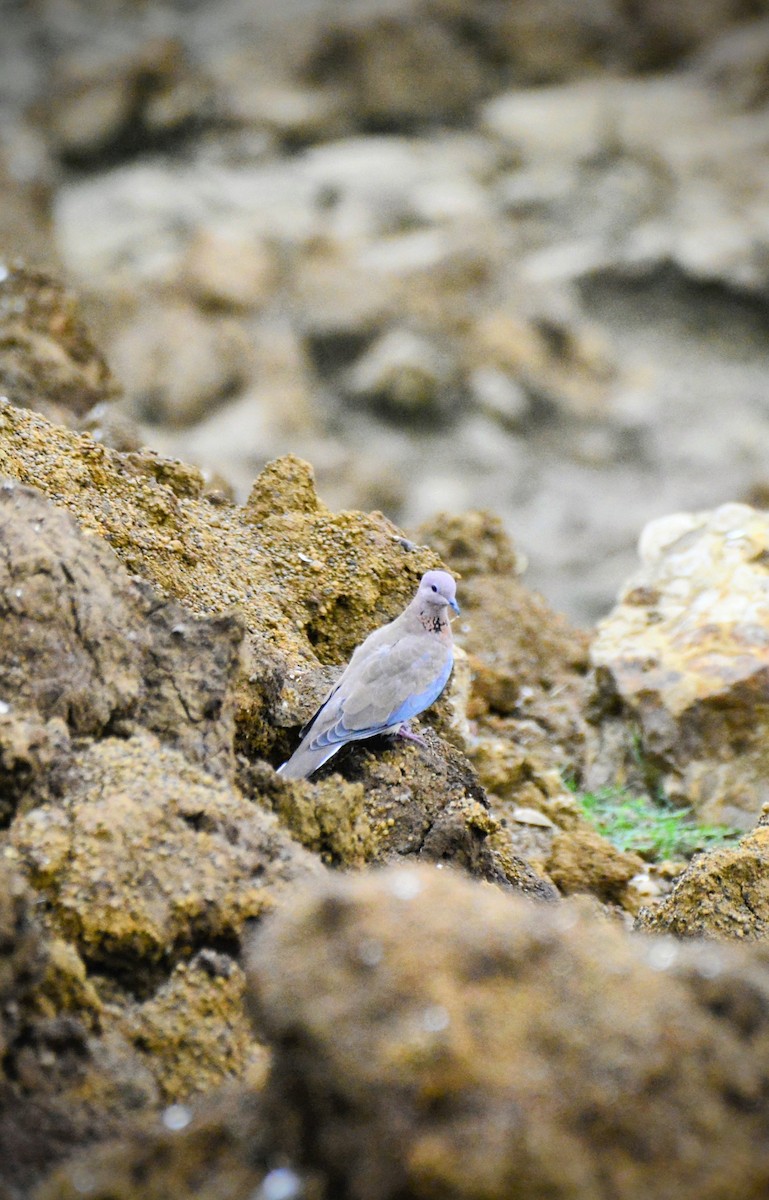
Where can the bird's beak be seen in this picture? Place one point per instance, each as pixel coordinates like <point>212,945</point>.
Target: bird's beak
<point>455,606</point>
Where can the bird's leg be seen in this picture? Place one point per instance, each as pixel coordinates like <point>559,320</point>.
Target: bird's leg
<point>405,731</point>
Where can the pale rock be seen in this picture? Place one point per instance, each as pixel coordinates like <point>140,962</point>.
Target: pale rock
<point>531,816</point>
<point>568,363</point>
<point>403,370</point>
<point>736,64</point>
<point>229,268</point>
<point>681,667</point>
<point>560,123</point>
<point>499,395</point>
<point>287,109</point>
<point>334,293</point>
<point>135,223</point>
<point>177,366</point>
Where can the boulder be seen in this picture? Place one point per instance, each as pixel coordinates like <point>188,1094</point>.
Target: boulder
<point>48,359</point>
<point>107,650</point>
<point>146,857</point>
<point>309,584</point>
<point>434,1037</point>
<point>723,893</point>
<point>678,694</point>
<point>214,1151</point>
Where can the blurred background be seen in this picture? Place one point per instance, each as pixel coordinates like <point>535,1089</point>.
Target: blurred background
<point>457,253</point>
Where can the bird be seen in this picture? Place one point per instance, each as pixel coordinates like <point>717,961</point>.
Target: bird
<point>396,673</point>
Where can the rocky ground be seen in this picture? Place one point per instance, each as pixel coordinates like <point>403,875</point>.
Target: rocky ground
<point>489,271</point>
<point>456,256</point>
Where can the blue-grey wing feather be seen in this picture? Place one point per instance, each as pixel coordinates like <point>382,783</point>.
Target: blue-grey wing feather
<point>391,687</point>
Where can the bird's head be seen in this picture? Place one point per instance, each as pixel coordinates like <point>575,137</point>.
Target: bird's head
<point>438,590</point>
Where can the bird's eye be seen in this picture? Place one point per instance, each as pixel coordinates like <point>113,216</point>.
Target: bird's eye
<point>434,588</point>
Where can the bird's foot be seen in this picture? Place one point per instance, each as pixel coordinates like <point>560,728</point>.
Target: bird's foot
<point>405,731</point>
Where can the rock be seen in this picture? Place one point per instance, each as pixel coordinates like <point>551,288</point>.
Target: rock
<point>405,377</point>
<point>215,1149</point>
<point>148,246</point>
<point>566,366</point>
<point>425,805</point>
<point>178,366</point>
<point>736,62</point>
<point>581,121</point>
<point>230,270</point>
<point>474,543</point>
<point>146,857</point>
<point>107,650</point>
<point>398,65</point>
<point>22,953</point>
<point>555,122</point>
<point>521,652</point>
<point>146,869</point>
<point>517,645</point>
<point>497,394</point>
<point>58,1085</point>
<point>582,861</point>
<point>193,1030</point>
<point>25,224</point>
<point>309,584</point>
<point>47,358</point>
<point>442,1038</point>
<point>680,667</point>
<point>31,750</point>
<point>107,104</point>
<point>723,893</point>
<point>527,665</point>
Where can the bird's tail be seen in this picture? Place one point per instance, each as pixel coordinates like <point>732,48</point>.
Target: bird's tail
<point>304,761</point>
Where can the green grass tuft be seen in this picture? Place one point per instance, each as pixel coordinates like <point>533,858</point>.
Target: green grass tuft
<point>655,830</point>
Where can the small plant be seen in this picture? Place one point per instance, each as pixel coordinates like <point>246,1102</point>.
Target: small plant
<point>655,829</point>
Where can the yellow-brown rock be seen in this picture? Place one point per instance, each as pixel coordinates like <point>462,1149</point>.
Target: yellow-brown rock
<point>147,856</point>
<point>580,860</point>
<point>310,584</point>
<point>723,893</point>
<point>443,1038</point>
<point>48,359</point>
<point>213,1153</point>
<point>194,1030</point>
<point>681,667</point>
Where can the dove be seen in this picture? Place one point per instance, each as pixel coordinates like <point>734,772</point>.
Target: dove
<point>396,673</point>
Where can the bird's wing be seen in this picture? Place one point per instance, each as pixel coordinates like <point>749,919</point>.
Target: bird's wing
<point>390,685</point>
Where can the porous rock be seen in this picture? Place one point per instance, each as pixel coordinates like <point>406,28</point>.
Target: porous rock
<point>723,893</point>
<point>214,1151</point>
<point>48,359</point>
<point>432,1036</point>
<point>146,856</point>
<point>31,751</point>
<point>104,102</point>
<point>193,1030</point>
<point>580,860</point>
<point>680,667</point>
<point>390,805</point>
<point>22,956</point>
<point>107,650</point>
<point>178,366</point>
<point>526,667</point>
<point>310,584</point>
<point>59,1085</point>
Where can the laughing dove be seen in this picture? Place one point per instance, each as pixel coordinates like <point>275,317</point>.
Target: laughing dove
<point>399,671</point>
